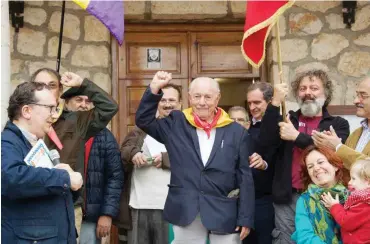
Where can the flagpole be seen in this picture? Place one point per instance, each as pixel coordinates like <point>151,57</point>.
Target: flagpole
<point>60,36</point>
<point>280,66</point>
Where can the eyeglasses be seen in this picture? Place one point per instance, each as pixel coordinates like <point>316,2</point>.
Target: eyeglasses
<point>50,86</point>
<point>361,96</point>
<point>169,101</point>
<point>53,109</point>
<point>240,120</point>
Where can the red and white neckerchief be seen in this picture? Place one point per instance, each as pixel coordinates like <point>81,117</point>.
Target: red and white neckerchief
<point>207,127</point>
<point>356,197</point>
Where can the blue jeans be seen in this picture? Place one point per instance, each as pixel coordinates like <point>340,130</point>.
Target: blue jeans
<point>88,233</point>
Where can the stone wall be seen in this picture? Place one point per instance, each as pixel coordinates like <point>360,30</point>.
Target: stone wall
<point>221,11</point>
<point>313,36</point>
<point>85,50</point>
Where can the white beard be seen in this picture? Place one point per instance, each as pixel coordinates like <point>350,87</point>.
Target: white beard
<point>311,109</point>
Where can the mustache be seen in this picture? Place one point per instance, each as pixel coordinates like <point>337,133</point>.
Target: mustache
<point>168,107</point>
<point>312,98</point>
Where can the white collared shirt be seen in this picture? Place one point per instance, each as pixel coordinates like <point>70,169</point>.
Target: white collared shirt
<point>206,144</point>
<point>364,138</point>
<point>31,138</point>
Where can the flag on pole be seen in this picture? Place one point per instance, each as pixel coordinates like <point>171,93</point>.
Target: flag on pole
<point>260,17</point>
<point>110,13</point>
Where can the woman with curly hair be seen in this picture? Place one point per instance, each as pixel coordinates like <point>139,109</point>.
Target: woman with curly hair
<point>322,172</point>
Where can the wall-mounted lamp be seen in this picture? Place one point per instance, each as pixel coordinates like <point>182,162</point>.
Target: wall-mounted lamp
<point>16,10</point>
<point>349,10</point>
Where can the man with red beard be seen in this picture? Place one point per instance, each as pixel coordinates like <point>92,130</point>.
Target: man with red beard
<point>211,190</point>
<point>358,143</point>
<point>313,90</point>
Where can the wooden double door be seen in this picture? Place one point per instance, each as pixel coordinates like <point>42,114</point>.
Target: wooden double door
<point>187,51</point>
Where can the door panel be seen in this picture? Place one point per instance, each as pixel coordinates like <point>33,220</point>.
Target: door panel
<point>134,60</point>
<point>218,54</point>
<point>131,93</point>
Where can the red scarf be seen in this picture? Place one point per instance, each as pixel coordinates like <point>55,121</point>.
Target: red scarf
<point>207,127</point>
<point>356,197</point>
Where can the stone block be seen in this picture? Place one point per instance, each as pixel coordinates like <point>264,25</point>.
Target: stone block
<point>363,40</point>
<point>83,73</point>
<point>276,76</point>
<point>320,6</point>
<point>91,56</point>
<point>69,5</point>
<point>71,25</point>
<point>362,19</point>
<point>33,3</point>
<point>95,30</point>
<point>33,66</point>
<point>188,10</point>
<point>15,82</point>
<point>335,21</point>
<point>291,50</point>
<point>339,88</point>
<point>53,47</point>
<point>326,46</point>
<point>31,42</point>
<point>103,81</point>
<point>351,86</point>
<point>238,8</point>
<point>356,64</point>
<point>282,27</point>
<point>134,9</point>
<point>304,24</point>
<point>16,65</point>
<point>11,39</point>
<point>311,66</point>
<point>34,16</point>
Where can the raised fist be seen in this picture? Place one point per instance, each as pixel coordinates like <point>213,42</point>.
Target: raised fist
<point>71,79</point>
<point>160,80</point>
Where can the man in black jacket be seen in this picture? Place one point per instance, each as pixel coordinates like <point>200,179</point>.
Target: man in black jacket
<point>259,95</point>
<point>103,174</point>
<point>313,90</point>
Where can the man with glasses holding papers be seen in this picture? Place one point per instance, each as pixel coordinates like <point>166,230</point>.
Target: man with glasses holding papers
<point>37,203</point>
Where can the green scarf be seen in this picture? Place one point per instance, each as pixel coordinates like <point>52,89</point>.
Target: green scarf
<point>322,222</point>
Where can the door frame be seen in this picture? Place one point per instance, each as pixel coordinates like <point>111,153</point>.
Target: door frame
<point>147,28</point>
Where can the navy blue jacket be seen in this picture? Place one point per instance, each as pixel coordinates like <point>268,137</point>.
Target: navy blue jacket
<point>104,181</point>
<point>262,178</point>
<point>195,188</point>
<point>36,203</point>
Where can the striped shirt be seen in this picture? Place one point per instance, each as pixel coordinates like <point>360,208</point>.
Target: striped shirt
<point>365,136</point>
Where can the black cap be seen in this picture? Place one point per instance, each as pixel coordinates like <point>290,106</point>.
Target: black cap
<point>71,92</point>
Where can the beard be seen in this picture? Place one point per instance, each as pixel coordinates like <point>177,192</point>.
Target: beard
<point>311,108</point>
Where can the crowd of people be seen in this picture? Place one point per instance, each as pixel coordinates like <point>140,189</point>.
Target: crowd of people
<point>248,175</point>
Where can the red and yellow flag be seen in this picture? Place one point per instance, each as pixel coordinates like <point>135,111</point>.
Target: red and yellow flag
<point>259,19</point>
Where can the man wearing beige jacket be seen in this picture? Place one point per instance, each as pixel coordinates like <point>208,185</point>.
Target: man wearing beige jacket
<point>358,143</point>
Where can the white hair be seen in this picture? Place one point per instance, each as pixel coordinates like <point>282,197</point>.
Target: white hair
<point>213,82</point>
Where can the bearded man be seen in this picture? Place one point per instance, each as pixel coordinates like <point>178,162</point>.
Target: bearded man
<point>313,90</point>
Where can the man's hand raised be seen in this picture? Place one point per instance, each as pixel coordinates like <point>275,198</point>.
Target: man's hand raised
<point>160,80</point>
<point>71,79</point>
